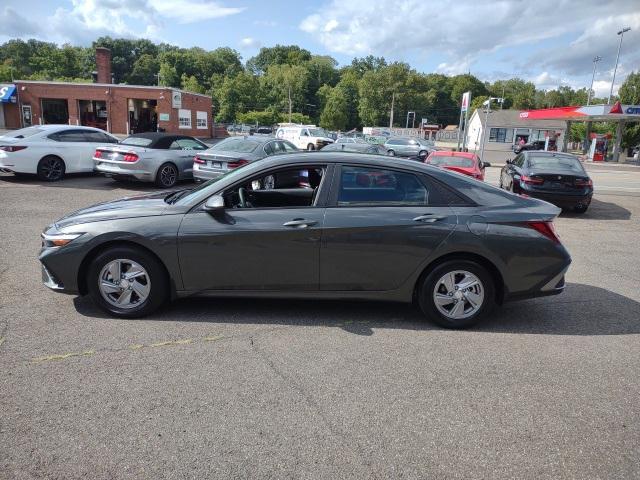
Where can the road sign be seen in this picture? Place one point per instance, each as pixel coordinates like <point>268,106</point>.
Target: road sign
<point>465,101</point>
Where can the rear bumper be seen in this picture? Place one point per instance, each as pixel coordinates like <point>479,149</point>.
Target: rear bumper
<point>202,175</point>
<point>118,170</point>
<point>554,286</point>
<point>561,199</point>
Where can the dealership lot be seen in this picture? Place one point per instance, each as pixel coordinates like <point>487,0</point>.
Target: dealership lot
<point>546,388</point>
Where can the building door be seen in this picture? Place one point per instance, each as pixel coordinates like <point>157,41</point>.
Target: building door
<point>26,116</point>
<point>1,115</point>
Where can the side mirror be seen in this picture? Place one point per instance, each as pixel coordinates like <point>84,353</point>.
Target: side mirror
<point>508,161</point>
<point>214,204</point>
<point>485,164</point>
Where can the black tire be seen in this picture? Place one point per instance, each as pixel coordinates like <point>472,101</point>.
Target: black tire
<point>427,288</point>
<point>391,153</point>
<point>167,175</point>
<point>159,288</point>
<point>311,147</point>
<point>422,153</point>
<point>51,169</point>
<point>581,208</point>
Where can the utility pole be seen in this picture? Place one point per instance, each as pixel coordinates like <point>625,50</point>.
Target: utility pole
<point>504,85</point>
<point>593,76</point>
<point>621,33</point>
<point>393,101</point>
<point>486,125</point>
<point>290,106</point>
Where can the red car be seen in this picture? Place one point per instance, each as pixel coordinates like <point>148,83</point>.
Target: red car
<point>461,162</point>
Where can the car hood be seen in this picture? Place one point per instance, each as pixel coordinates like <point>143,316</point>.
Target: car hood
<point>129,207</point>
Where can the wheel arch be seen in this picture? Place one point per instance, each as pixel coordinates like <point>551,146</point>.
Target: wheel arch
<point>98,249</point>
<point>496,276</point>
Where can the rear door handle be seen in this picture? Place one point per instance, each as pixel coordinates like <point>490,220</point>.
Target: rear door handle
<point>300,223</point>
<point>429,218</point>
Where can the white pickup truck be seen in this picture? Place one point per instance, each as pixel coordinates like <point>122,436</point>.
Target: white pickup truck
<point>306,137</point>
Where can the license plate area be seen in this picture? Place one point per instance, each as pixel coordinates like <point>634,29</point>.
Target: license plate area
<point>211,164</point>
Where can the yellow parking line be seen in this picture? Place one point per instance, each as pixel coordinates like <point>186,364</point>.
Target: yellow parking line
<point>63,356</point>
<point>136,346</point>
<point>2,340</point>
<point>171,342</point>
<point>213,338</point>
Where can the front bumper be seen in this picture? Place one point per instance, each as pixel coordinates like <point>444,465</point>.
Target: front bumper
<point>109,169</point>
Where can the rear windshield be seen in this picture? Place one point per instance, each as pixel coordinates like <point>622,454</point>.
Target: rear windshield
<point>242,145</point>
<point>137,141</point>
<point>451,161</point>
<point>24,132</point>
<point>559,162</point>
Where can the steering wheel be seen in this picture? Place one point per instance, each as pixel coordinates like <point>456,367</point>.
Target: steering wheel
<point>241,195</point>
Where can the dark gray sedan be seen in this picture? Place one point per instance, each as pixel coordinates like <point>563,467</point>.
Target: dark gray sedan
<point>234,152</point>
<point>336,225</point>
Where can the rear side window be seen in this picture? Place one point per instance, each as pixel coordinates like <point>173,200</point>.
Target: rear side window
<point>269,148</point>
<point>75,136</point>
<point>366,186</point>
<point>98,137</point>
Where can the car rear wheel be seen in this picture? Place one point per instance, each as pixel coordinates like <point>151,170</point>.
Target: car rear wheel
<point>391,153</point>
<point>581,208</point>
<point>51,169</point>
<point>457,294</point>
<point>127,282</point>
<point>311,147</point>
<point>167,175</point>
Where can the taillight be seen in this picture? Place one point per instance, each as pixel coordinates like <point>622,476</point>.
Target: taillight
<point>98,154</point>
<point>237,163</point>
<point>130,157</point>
<point>198,160</point>
<point>547,229</point>
<point>583,182</point>
<point>11,148</point>
<point>532,180</point>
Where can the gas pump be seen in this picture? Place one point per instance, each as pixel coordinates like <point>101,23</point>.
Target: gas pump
<point>599,146</point>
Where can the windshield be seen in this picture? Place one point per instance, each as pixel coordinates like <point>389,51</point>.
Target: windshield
<point>317,132</point>
<point>561,163</point>
<point>451,161</point>
<point>24,132</point>
<point>137,141</point>
<point>241,145</point>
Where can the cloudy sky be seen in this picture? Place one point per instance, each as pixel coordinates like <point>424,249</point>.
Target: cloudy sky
<point>549,42</point>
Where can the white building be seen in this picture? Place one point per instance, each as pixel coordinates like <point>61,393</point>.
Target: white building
<point>506,128</point>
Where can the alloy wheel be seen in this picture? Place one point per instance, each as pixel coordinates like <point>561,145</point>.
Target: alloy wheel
<point>124,283</point>
<point>52,168</point>
<point>458,294</point>
<point>168,175</point>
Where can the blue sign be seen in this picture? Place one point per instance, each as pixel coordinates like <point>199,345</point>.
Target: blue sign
<point>6,92</point>
<point>633,110</point>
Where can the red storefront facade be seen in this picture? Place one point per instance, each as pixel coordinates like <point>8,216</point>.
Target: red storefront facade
<point>119,109</point>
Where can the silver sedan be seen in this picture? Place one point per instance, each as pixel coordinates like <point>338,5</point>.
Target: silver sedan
<point>151,157</point>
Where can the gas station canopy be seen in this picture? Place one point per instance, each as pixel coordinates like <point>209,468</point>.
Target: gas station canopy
<point>587,113</point>
<point>616,113</point>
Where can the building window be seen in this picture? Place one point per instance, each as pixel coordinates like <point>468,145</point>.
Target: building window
<point>501,135</point>
<point>201,120</point>
<point>184,118</point>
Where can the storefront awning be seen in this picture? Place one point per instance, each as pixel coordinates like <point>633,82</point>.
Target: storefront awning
<point>6,92</point>
<point>587,113</point>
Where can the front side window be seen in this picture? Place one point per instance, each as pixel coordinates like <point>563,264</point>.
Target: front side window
<point>283,188</point>
<point>367,186</point>
<point>184,118</point>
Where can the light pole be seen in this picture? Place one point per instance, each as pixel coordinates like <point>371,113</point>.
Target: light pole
<point>593,76</point>
<point>621,33</point>
<point>487,103</point>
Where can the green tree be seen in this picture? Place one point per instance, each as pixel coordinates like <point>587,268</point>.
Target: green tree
<point>234,95</point>
<point>334,113</point>
<point>285,85</point>
<point>278,55</point>
<point>145,70</point>
<point>190,84</point>
<point>630,95</point>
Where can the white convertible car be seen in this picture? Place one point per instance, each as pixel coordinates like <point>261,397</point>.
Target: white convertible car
<point>50,151</point>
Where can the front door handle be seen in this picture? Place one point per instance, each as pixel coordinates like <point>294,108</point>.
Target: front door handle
<point>300,223</point>
<point>429,218</point>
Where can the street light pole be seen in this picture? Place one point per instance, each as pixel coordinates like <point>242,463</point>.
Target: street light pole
<point>593,76</point>
<point>486,124</point>
<point>621,33</point>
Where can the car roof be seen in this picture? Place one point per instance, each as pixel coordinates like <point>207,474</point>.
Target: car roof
<point>54,127</point>
<point>257,138</point>
<point>542,153</point>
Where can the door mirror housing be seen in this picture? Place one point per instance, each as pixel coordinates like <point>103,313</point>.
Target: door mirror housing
<point>485,164</point>
<point>509,161</point>
<point>214,204</point>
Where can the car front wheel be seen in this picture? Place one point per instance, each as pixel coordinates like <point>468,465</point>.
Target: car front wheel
<point>51,169</point>
<point>391,153</point>
<point>457,294</point>
<point>127,282</point>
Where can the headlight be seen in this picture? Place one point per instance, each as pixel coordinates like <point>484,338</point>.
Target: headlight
<point>58,239</point>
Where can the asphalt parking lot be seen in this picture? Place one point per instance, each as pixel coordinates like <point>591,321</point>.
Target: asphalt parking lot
<point>211,388</point>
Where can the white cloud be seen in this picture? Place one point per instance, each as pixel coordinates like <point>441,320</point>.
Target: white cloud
<point>467,30</point>
<point>249,42</point>
<point>84,20</point>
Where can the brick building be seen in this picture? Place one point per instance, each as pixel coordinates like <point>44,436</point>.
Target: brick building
<point>116,108</point>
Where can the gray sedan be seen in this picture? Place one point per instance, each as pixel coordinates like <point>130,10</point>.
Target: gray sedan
<point>234,152</point>
<point>151,157</point>
<point>409,147</point>
<point>360,226</point>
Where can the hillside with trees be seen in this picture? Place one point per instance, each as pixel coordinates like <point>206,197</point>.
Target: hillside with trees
<point>289,78</point>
